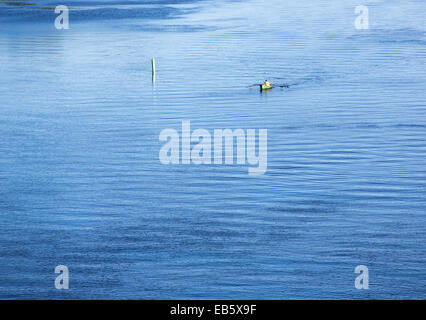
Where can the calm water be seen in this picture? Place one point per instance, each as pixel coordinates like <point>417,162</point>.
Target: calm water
<point>81,183</point>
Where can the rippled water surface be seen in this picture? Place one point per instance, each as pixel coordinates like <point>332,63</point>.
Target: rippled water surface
<point>81,183</point>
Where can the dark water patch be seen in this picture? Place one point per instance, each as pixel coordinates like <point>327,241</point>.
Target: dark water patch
<point>419,42</point>
<point>16,3</point>
<point>84,11</point>
<point>409,126</point>
<point>165,28</point>
<point>47,15</point>
<point>391,36</point>
<point>303,207</point>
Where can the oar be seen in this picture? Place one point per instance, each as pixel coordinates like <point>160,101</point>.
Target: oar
<point>253,85</point>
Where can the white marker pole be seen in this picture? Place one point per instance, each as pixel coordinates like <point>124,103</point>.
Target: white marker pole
<point>153,69</point>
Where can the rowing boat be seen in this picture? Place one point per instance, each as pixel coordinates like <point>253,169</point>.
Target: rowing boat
<point>265,87</point>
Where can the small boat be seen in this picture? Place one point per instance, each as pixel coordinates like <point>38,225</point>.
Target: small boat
<point>264,87</point>
<point>267,85</point>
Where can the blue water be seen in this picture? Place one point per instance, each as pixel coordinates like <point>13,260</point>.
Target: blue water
<point>81,183</point>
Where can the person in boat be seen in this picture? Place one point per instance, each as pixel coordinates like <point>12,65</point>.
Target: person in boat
<point>267,83</point>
